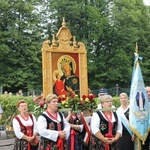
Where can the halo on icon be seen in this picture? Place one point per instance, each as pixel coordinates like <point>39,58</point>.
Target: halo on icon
<point>67,59</point>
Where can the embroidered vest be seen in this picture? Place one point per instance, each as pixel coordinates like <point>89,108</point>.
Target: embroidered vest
<point>24,128</point>
<point>53,125</point>
<point>104,124</point>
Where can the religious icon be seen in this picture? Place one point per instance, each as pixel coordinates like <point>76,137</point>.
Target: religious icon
<point>140,100</point>
<point>66,81</point>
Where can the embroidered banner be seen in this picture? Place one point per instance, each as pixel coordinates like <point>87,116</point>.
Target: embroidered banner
<point>138,116</point>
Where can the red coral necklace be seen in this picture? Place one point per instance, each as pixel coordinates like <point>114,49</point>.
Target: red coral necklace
<point>25,118</point>
<point>53,116</point>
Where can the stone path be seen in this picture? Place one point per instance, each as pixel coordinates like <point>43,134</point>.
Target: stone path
<point>6,144</point>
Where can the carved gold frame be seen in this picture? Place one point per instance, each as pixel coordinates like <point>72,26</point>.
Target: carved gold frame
<point>62,44</point>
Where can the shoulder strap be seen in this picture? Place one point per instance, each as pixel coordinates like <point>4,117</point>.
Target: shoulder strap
<point>47,118</point>
<point>31,118</point>
<point>62,121</point>
<point>61,116</point>
<point>116,117</point>
<point>99,114</point>
<point>17,118</point>
<point>20,123</point>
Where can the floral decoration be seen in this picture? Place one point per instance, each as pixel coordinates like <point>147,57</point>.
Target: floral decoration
<point>40,105</point>
<point>86,102</point>
<point>73,103</point>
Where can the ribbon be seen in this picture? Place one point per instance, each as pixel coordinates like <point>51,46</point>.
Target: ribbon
<point>29,133</point>
<point>124,120</point>
<point>108,135</point>
<point>60,143</point>
<point>73,133</point>
<point>29,148</point>
<point>88,133</point>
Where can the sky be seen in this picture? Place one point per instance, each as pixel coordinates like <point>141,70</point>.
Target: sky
<point>147,2</point>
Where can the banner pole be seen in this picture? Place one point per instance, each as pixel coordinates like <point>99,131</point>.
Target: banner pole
<point>139,144</point>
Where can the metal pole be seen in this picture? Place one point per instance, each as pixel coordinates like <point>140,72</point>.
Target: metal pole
<point>117,89</point>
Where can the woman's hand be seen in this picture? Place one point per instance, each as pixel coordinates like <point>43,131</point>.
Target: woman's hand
<point>62,134</point>
<point>105,140</point>
<point>133,137</point>
<point>112,140</point>
<point>30,139</point>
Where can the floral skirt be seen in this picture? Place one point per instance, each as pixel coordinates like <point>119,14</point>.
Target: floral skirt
<point>46,144</point>
<point>96,144</point>
<point>21,144</point>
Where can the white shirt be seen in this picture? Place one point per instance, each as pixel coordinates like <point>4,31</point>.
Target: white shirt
<point>51,134</point>
<point>17,129</point>
<point>95,123</point>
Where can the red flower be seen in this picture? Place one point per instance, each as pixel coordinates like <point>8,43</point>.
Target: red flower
<point>84,97</point>
<point>41,103</point>
<point>90,97</point>
<point>61,98</point>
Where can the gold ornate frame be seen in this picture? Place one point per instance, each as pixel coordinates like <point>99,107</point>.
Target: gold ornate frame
<point>62,45</point>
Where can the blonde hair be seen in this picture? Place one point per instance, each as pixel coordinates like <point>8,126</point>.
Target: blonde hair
<point>50,97</point>
<point>123,94</point>
<point>104,98</point>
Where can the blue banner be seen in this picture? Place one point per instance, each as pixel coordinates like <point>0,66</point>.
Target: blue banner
<point>138,116</point>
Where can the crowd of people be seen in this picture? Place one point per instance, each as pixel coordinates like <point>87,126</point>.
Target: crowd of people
<point>105,129</point>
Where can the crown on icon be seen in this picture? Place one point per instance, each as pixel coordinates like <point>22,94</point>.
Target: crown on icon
<point>65,60</point>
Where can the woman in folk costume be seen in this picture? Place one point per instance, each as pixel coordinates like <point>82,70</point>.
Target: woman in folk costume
<point>52,126</point>
<point>106,127</point>
<point>75,139</point>
<point>25,129</point>
<point>78,139</point>
<point>126,142</point>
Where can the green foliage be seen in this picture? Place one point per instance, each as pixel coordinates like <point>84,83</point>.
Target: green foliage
<point>116,101</point>
<point>20,46</point>
<point>109,30</point>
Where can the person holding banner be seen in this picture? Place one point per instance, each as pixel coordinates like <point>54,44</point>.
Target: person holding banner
<point>52,126</point>
<point>126,141</point>
<point>106,127</point>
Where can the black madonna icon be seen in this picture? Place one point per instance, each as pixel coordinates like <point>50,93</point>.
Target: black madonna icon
<point>67,75</point>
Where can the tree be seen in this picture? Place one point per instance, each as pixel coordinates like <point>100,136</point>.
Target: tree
<point>20,44</point>
<point>109,29</point>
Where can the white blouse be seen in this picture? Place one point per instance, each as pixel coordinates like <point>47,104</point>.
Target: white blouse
<point>95,123</point>
<point>51,134</point>
<point>17,129</point>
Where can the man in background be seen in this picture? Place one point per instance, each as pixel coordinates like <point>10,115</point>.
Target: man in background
<point>101,93</point>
